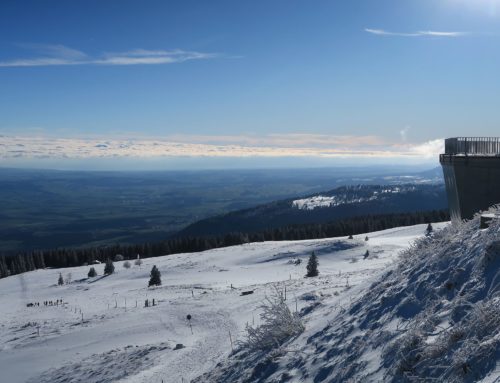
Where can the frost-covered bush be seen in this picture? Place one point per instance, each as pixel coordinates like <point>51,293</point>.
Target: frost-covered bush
<point>453,275</point>
<point>481,341</point>
<point>127,264</point>
<point>278,324</point>
<point>138,261</point>
<point>409,351</point>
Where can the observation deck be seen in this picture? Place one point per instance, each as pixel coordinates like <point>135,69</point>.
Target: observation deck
<point>471,167</point>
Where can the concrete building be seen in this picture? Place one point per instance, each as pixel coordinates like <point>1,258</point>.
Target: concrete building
<point>471,167</point>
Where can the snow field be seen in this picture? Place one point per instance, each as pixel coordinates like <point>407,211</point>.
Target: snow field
<point>117,341</point>
<point>434,315</point>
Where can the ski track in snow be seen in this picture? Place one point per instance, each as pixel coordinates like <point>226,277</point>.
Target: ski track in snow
<point>136,344</point>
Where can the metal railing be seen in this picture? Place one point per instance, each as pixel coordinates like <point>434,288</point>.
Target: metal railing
<point>472,146</point>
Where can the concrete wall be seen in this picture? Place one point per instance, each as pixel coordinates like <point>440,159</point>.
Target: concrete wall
<point>472,184</point>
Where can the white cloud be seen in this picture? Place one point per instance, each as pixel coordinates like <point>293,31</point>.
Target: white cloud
<point>383,32</point>
<point>37,62</point>
<point>345,147</point>
<point>53,55</point>
<point>53,50</point>
<point>282,140</point>
<point>429,149</point>
<point>442,34</point>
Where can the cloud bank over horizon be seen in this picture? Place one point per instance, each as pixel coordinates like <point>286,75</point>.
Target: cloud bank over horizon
<point>184,146</point>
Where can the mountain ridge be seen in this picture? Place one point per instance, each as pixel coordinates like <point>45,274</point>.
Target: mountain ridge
<point>347,202</point>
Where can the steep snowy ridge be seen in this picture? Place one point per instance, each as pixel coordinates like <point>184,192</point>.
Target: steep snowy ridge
<point>433,316</point>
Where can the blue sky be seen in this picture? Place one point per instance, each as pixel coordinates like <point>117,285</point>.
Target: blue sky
<point>360,79</point>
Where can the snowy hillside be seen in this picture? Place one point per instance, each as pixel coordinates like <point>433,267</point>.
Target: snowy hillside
<point>319,201</point>
<point>433,316</point>
<point>342,203</point>
<point>119,341</point>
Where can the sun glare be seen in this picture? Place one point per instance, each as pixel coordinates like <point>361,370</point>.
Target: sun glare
<point>488,6</point>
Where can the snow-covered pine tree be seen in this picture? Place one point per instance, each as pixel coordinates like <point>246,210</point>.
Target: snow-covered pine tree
<point>92,273</point>
<point>109,268</point>
<point>429,229</point>
<point>60,281</point>
<point>312,266</point>
<point>155,279</point>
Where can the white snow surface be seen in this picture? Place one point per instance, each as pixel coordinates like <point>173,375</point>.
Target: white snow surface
<point>433,316</point>
<point>118,341</point>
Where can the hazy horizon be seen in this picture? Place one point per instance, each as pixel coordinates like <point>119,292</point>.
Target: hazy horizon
<point>210,164</point>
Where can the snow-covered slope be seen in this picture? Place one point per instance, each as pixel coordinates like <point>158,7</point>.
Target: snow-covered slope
<point>339,199</point>
<point>433,316</point>
<point>119,341</point>
<point>343,203</point>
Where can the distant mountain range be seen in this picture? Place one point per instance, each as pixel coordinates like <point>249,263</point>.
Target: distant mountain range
<point>340,203</point>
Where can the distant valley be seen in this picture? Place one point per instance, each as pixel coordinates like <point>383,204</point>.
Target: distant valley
<point>74,209</point>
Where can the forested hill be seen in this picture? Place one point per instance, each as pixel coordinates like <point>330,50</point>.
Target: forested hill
<point>340,203</point>
<point>58,258</point>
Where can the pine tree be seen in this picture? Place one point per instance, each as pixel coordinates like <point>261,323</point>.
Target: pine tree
<point>109,268</point>
<point>60,281</point>
<point>155,279</point>
<point>92,273</point>
<point>429,229</point>
<point>312,266</point>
